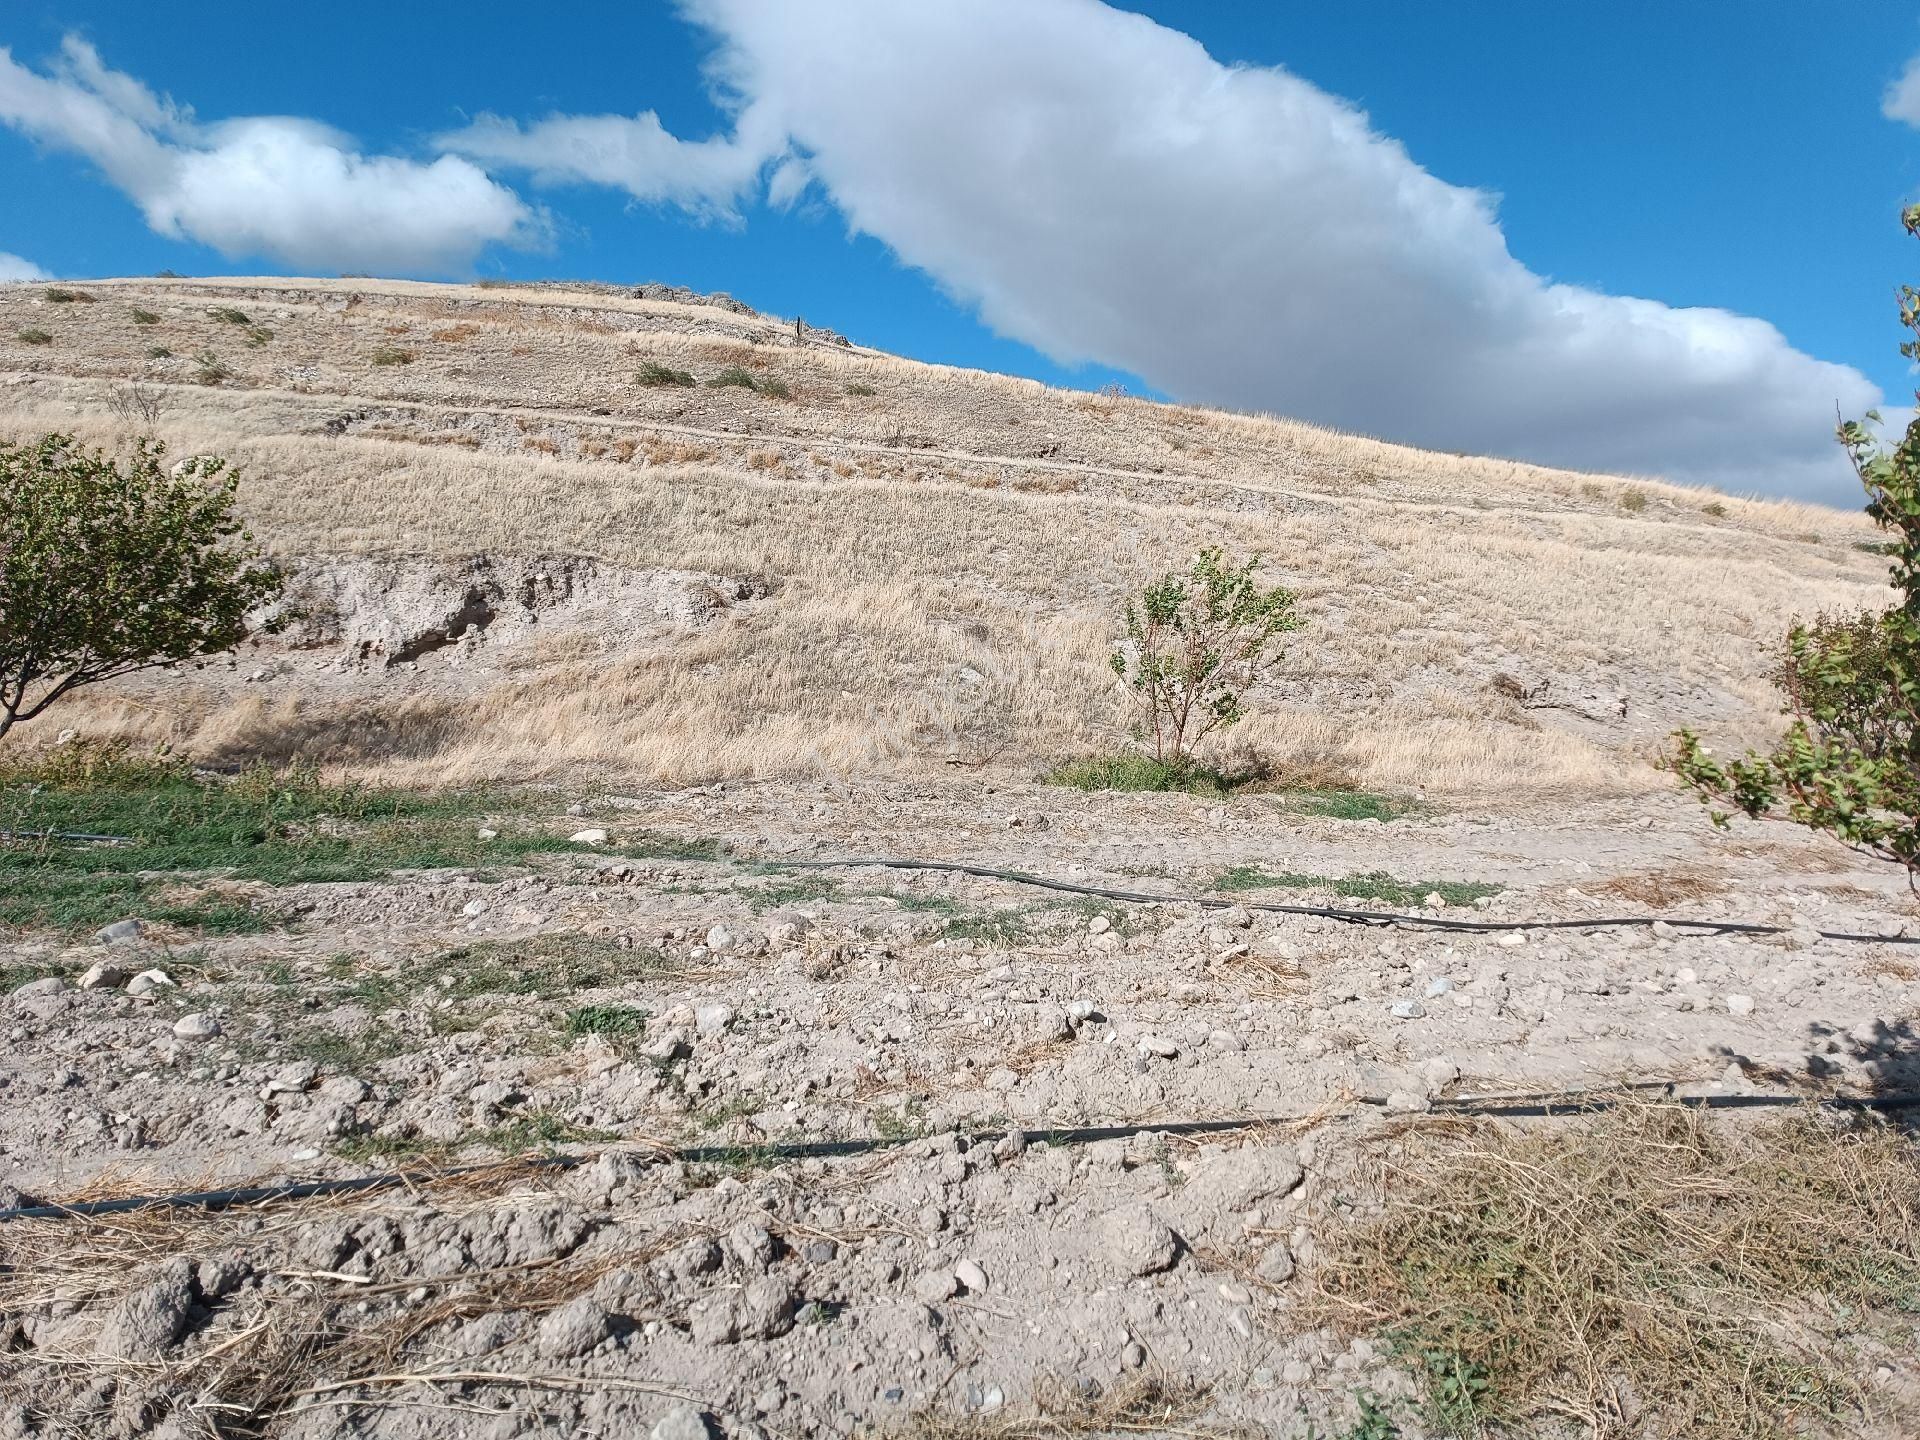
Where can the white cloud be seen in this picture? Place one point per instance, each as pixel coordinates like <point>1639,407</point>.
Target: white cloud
<point>1902,98</point>
<point>270,186</point>
<point>12,267</point>
<point>1100,187</point>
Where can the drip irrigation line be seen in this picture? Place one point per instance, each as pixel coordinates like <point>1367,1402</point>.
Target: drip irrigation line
<point>1351,917</point>
<point>74,836</point>
<point>1560,1106</point>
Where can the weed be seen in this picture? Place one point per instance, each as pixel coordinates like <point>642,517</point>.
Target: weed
<point>652,373</point>
<point>144,317</point>
<point>33,335</point>
<point>1350,805</point>
<point>858,389</point>
<point>905,1122</point>
<point>734,375</point>
<point>610,1021</point>
<point>539,1130</point>
<point>718,1113</point>
<point>1375,885</point>
<point>776,387</point>
<point>57,296</point>
<point>258,335</point>
<point>391,355</point>
<point>787,888</point>
<point>227,315</point>
<point>159,352</point>
<point>1714,509</point>
<point>996,927</point>
<point>210,369</point>
<point>1143,773</point>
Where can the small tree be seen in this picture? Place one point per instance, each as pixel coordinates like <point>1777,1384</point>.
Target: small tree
<point>1849,764</point>
<point>108,568</point>
<point>1195,644</point>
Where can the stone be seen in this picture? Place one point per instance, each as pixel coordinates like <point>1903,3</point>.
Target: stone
<point>935,1286</point>
<point>972,1276</point>
<point>751,1245</point>
<point>120,932</point>
<point>594,836</point>
<point>682,1422</point>
<point>573,1330</point>
<point>197,1026</point>
<point>766,1309</point>
<point>1739,1004</point>
<point>712,1019</point>
<point>1099,925</point>
<point>150,1322</point>
<point>1439,985</point>
<point>104,975</point>
<point>720,939</point>
<point>1408,1010</point>
<point>1275,1264</point>
<point>1159,1045</point>
<point>148,981</point>
<point>1513,939</point>
<point>1138,1240</point>
<point>45,985</point>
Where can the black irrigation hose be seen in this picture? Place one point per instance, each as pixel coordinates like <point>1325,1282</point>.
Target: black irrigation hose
<point>75,836</point>
<point>1544,1107</point>
<point>1350,917</point>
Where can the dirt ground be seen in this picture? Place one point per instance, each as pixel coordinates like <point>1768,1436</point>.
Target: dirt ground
<point>616,1010</point>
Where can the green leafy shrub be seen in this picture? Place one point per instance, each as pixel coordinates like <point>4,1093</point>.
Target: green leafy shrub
<point>1140,773</point>
<point>734,375</point>
<point>1849,764</point>
<point>109,567</point>
<point>33,335</point>
<point>653,374</point>
<point>1195,643</point>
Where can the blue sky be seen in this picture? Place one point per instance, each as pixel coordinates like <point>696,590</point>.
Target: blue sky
<point>1046,187</point>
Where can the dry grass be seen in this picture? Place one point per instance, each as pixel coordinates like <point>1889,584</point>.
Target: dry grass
<point>956,524</point>
<point>1139,1405</point>
<point>1648,1273</point>
<point>1662,888</point>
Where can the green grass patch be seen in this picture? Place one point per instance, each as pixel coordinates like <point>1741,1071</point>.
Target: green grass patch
<point>1375,885</point>
<point>258,335</point>
<point>785,887</point>
<point>1350,805</point>
<point>614,1022</point>
<point>1142,773</point>
<point>653,375</point>
<point>271,827</point>
<point>735,375</point>
<point>992,927</point>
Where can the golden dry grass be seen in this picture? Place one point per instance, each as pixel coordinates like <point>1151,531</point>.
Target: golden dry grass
<point>1649,1273</point>
<point>948,553</point>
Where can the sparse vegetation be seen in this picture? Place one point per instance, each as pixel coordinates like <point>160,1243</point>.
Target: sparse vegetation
<point>1195,644</point>
<point>33,335</point>
<point>159,352</point>
<point>210,369</point>
<point>391,355</point>
<point>1376,885</point>
<point>1715,1274</point>
<point>257,336</point>
<point>145,317</point>
<point>57,296</point>
<point>654,374</point>
<point>110,566</point>
<point>776,387</point>
<point>858,389</point>
<point>136,404</point>
<point>1140,773</point>
<point>1633,499</point>
<point>735,375</point>
<point>227,315</point>
<point>1849,764</point>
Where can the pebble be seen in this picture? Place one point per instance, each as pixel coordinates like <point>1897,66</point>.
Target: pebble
<point>104,975</point>
<point>1408,1010</point>
<point>1232,1293</point>
<point>712,1019</point>
<point>1275,1264</point>
<point>148,981</point>
<point>120,932</point>
<point>935,1286</point>
<point>1513,939</point>
<point>1439,985</point>
<point>683,1422</point>
<point>594,836</point>
<point>196,1027</point>
<point>970,1274</point>
<point>1159,1045</point>
<point>720,939</point>
<point>1138,1240</point>
<point>1739,1004</point>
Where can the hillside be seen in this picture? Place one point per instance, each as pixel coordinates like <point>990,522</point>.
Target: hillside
<point>515,560</point>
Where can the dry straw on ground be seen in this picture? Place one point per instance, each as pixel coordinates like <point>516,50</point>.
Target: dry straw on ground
<point>1648,1273</point>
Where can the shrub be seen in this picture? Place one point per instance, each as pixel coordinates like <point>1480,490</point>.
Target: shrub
<point>1849,764</point>
<point>210,369</point>
<point>1195,644</point>
<point>652,373</point>
<point>391,355</point>
<point>734,375</point>
<point>1633,498</point>
<point>159,352</point>
<point>33,336</point>
<point>1714,509</point>
<point>227,315</point>
<point>57,296</point>
<point>775,387</point>
<point>135,403</point>
<point>145,317</point>
<point>1139,773</point>
<point>858,389</point>
<point>258,335</point>
<point>108,568</point>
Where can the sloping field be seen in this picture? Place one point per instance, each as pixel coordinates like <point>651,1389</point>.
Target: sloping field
<point>843,562</point>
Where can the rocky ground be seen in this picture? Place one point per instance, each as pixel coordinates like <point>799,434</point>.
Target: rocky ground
<point>719,998</point>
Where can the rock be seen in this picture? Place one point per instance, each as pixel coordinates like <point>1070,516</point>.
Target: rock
<point>474,909</point>
<point>1434,900</point>
<point>751,1245</point>
<point>1081,1011</point>
<point>1439,985</point>
<point>120,932</point>
<point>45,985</point>
<point>148,981</point>
<point>573,1330</point>
<point>712,1019</point>
<point>766,1309</point>
<point>1159,1045</point>
<point>197,1026</point>
<point>1513,939</point>
<point>820,1252</point>
<point>149,1322</point>
<point>1138,1240</point>
<point>935,1286</point>
<point>697,1257</point>
<point>1408,1010</point>
<point>595,836</point>
<point>970,1274</point>
<point>104,975</point>
<point>683,1422</point>
<point>1133,1355</point>
<point>1739,1004</point>
<point>1275,1264</point>
<point>720,939</point>
<point>1239,1180</point>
